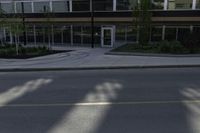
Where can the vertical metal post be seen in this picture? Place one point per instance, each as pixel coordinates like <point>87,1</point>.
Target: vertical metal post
<point>23,22</point>
<point>92,23</point>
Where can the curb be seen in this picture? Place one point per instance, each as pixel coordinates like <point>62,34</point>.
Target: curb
<point>95,68</point>
<point>151,54</point>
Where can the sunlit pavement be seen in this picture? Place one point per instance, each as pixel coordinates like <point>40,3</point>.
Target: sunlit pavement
<point>92,58</point>
<point>103,101</point>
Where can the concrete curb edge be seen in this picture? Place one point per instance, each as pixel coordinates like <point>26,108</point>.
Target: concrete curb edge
<point>95,68</point>
<point>151,54</point>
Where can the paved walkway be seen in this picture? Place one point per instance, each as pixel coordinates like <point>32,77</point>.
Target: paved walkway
<point>94,58</point>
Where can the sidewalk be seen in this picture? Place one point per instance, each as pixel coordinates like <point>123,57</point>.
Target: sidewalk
<point>87,58</point>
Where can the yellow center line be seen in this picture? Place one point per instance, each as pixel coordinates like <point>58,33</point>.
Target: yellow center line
<point>102,103</point>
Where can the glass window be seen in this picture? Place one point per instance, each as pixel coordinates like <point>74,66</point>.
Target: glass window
<point>67,34</point>
<point>40,7</point>
<point>57,31</point>
<point>157,4</point>
<point>27,7</point>
<point>179,4</point>
<point>77,34</point>
<point>30,34</point>
<point>40,34</point>
<point>103,5</point>
<point>156,34</point>
<point>60,6</point>
<point>170,33</point>
<point>7,35</point>
<point>120,33</point>
<point>198,4</point>
<point>197,30</point>
<point>183,33</point>
<point>7,7</point>
<point>126,4</point>
<point>81,5</point>
<point>131,34</point>
<point>86,33</point>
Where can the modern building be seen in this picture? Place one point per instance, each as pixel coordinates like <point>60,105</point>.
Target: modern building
<point>69,21</point>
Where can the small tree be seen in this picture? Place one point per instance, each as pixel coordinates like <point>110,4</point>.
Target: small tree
<point>16,29</point>
<point>142,20</point>
<point>48,23</point>
<point>2,23</point>
<point>14,24</point>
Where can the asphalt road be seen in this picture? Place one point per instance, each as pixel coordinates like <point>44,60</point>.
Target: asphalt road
<point>101,101</point>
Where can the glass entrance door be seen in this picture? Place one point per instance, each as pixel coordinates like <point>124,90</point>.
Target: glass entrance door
<point>107,37</point>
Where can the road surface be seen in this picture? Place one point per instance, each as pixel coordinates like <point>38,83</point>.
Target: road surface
<point>101,101</point>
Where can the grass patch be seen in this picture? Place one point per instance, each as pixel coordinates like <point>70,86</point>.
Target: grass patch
<point>173,47</point>
<point>135,48</point>
<point>9,52</point>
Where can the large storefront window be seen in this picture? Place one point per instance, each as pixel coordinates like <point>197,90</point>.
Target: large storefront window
<point>157,4</point>
<point>179,4</point>
<point>81,5</point>
<point>103,5</point>
<point>7,7</point>
<point>60,6</point>
<point>40,7</point>
<point>126,4</point>
<point>156,34</point>
<point>27,7</point>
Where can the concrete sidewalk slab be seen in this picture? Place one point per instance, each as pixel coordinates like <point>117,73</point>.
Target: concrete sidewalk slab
<point>87,58</point>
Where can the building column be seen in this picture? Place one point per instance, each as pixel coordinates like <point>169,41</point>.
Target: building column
<point>51,6</point>
<point>62,36</point>
<point>81,35</point>
<point>32,6</point>
<point>71,31</point>
<point>34,33</point>
<point>11,38</point>
<point>165,4</point>
<point>15,7</point>
<point>126,36</point>
<point>191,28</point>
<point>194,3</point>
<point>70,6</point>
<point>163,32</point>
<point>52,34</point>
<point>176,34</point>
<point>114,5</point>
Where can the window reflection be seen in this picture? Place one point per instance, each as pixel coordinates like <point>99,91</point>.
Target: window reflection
<point>157,4</point>
<point>7,7</point>
<point>27,7</point>
<point>180,4</point>
<point>60,6</point>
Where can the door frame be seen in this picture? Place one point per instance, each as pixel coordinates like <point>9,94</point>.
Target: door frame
<point>112,29</point>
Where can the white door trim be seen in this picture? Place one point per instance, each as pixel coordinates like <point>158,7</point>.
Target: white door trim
<point>111,28</point>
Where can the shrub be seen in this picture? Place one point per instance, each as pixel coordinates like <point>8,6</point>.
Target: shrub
<point>177,48</point>
<point>10,51</point>
<point>192,42</point>
<point>174,47</point>
<point>164,47</point>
